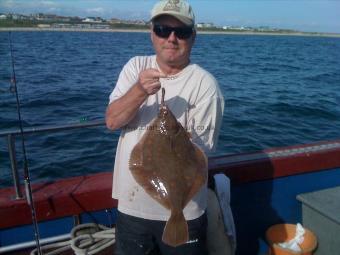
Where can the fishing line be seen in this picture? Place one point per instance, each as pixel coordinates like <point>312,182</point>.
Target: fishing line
<point>27,180</point>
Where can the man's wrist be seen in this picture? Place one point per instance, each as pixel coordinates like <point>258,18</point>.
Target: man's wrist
<point>141,90</point>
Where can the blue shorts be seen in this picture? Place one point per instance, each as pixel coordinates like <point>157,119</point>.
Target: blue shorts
<point>137,236</point>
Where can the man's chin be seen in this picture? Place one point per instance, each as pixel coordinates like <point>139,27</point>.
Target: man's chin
<point>171,60</point>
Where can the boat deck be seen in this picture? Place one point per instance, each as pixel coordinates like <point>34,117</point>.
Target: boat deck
<point>107,251</point>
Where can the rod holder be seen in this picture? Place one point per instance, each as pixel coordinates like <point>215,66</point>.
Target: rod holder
<point>14,166</point>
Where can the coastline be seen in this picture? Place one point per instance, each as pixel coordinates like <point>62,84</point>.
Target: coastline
<point>311,34</point>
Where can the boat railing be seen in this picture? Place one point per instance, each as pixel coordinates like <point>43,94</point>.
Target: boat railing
<point>11,138</point>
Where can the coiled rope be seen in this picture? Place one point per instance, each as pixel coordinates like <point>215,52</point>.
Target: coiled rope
<point>86,239</point>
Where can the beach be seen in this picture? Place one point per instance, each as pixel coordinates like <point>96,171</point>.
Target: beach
<point>7,29</point>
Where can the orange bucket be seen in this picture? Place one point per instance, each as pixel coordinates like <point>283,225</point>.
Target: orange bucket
<point>284,232</point>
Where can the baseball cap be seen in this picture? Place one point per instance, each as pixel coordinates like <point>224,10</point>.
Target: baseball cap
<point>179,9</point>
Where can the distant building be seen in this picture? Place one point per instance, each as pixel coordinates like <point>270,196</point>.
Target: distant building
<point>49,17</point>
<point>139,22</point>
<point>81,26</point>
<point>3,16</point>
<point>129,22</point>
<point>237,28</point>
<point>93,20</point>
<point>115,21</point>
<point>205,25</point>
<point>15,16</point>
<point>44,25</point>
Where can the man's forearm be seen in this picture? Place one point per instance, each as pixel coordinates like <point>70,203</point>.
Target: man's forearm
<point>122,110</point>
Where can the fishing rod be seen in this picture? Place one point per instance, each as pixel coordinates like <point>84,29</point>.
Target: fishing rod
<point>28,187</point>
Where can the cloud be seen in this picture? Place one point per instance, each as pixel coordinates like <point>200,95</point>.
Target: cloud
<point>8,4</point>
<point>48,3</point>
<point>96,10</point>
<point>28,6</point>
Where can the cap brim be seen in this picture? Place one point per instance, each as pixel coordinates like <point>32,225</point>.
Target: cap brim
<point>186,21</point>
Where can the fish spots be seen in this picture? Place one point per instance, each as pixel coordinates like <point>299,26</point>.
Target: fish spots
<point>187,177</point>
<point>172,184</point>
<point>132,193</point>
<point>188,180</point>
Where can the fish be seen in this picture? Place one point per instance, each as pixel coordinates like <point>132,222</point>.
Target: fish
<point>171,169</point>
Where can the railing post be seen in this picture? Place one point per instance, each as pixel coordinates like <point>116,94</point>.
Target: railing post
<point>12,156</point>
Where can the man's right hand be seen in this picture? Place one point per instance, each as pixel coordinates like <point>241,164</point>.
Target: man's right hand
<point>123,109</point>
<point>149,82</point>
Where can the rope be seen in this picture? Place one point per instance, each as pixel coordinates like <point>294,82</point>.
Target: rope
<point>86,239</point>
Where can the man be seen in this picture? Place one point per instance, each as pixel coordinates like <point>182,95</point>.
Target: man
<point>192,94</point>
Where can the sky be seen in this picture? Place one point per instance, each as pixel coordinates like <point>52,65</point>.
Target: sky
<point>301,15</point>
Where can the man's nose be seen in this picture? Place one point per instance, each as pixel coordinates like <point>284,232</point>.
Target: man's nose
<point>172,36</point>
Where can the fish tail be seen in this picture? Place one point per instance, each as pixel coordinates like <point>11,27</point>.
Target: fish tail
<point>176,230</point>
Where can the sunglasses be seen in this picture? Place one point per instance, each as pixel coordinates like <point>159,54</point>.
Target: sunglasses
<point>165,31</point>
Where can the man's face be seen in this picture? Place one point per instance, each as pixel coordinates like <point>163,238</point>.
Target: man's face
<point>172,51</point>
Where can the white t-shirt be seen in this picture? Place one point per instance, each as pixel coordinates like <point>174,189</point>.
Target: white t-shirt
<point>196,101</point>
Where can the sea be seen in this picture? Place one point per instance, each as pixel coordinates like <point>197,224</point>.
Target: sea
<point>279,90</point>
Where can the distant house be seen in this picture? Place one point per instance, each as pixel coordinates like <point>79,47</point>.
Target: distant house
<point>128,22</point>
<point>44,26</point>
<point>80,26</point>
<point>18,16</point>
<point>3,16</point>
<point>205,25</point>
<point>93,20</point>
<point>48,17</point>
<point>115,21</point>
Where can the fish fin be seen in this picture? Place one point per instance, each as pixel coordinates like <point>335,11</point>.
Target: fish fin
<point>201,175</point>
<point>136,157</point>
<point>176,230</point>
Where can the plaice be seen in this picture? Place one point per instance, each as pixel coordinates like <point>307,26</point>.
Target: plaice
<point>171,169</point>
